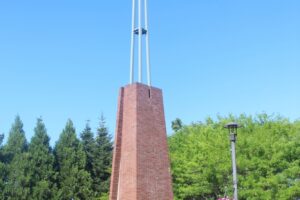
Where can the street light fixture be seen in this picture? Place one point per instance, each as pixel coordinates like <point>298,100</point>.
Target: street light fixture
<point>232,128</point>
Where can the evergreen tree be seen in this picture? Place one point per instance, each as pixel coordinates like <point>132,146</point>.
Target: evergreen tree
<point>88,142</point>
<point>16,180</point>
<point>103,158</point>
<point>89,146</point>
<point>40,162</point>
<point>74,182</point>
<point>2,165</point>
<point>16,142</point>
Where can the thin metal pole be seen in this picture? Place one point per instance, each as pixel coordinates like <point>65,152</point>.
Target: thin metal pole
<point>147,44</point>
<point>140,41</point>
<point>132,44</point>
<point>233,139</point>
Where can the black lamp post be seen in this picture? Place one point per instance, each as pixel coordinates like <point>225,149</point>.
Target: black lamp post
<point>232,128</point>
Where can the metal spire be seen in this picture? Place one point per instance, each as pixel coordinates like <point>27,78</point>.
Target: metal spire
<point>140,31</point>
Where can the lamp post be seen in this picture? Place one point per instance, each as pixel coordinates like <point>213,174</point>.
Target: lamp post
<point>232,128</point>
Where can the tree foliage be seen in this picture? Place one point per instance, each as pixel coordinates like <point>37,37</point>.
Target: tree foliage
<point>72,170</point>
<point>98,151</point>
<point>41,162</point>
<point>268,159</point>
<point>74,182</point>
<point>2,165</point>
<point>103,157</point>
<point>15,177</point>
<point>17,142</point>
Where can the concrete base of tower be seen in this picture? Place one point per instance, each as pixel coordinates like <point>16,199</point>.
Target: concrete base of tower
<point>141,166</point>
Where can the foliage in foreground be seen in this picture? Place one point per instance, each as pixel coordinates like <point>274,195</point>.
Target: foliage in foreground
<point>75,169</point>
<point>268,159</point>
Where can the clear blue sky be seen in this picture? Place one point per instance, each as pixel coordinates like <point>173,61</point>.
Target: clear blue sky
<point>63,59</point>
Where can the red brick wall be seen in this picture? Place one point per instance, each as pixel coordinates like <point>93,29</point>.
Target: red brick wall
<point>117,148</point>
<point>141,169</point>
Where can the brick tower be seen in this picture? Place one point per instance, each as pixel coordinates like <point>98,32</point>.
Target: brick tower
<point>141,167</point>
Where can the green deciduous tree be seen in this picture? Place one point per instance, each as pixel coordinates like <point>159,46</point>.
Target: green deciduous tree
<point>268,159</point>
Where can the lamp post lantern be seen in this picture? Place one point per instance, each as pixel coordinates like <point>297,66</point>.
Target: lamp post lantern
<point>232,128</point>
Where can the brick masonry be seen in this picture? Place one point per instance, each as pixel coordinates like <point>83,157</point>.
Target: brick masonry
<point>141,167</point>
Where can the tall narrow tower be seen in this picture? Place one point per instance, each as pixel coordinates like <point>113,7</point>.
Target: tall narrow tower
<point>140,17</point>
<point>141,167</point>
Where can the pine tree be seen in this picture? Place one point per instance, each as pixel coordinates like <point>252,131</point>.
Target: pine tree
<point>88,142</point>
<point>74,181</point>
<point>41,162</point>
<point>89,146</point>
<point>16,142</point>
<point>103,158</point>
<point>17,184</point>
<point>2,165</point>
